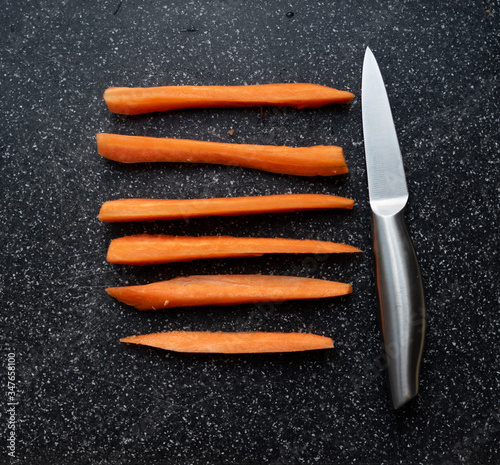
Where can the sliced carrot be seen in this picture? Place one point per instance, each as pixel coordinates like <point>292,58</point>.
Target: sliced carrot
<point>318,160</point>
<point>232,343</point>
<point>194,291</point>
<point>137,100</point>
<point>144,249</point>
<point>169,209</point>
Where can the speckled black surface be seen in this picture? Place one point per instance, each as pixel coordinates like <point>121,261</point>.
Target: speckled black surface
<point>84,398</point>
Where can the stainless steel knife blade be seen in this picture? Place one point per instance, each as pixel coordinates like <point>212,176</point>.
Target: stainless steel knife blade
<point>399,283</point>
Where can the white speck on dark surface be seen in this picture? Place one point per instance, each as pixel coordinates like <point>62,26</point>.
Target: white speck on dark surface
<point>86,398</point>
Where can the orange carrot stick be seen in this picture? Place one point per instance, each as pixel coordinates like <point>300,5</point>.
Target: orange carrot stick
<point>318,160</point>
<point>232,343</point>
<point>137,100</point>
<point>144,249</point>
<point>169,209</point>
<point>194,291</point>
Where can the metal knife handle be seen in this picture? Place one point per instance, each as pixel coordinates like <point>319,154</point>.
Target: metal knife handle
<point>402,305</point>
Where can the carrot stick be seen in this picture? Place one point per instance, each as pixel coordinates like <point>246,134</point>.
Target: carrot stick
<point>318,160</point>
<point>195,291</point>
<point>232,343</point>
<point>137,100</point>
<point>169,209</point>
<point>144,249</point>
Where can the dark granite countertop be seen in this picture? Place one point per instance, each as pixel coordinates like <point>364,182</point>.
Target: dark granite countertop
<point>81,397</point>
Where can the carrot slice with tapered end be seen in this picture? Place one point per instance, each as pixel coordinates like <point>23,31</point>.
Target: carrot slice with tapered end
<point>318,160</point>
<point>137,100</point>
<point>232,343</point>
<point>144,249</point>
<point>169,209</point>
<point>193,291</point>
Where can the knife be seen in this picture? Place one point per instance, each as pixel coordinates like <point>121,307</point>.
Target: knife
<point>399,283</point>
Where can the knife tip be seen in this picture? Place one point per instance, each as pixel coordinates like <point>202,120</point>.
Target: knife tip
<point>368,52</point>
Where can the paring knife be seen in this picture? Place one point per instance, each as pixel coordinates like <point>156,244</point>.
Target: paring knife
<point>399,283</point>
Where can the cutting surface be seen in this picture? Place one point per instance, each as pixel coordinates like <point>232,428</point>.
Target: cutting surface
<point>85,398</point>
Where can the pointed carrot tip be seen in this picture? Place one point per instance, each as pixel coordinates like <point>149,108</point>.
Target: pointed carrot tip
<point>350,95</point>
<point>346,248</point>
<point>346,96</point>
<point>110,291</point>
